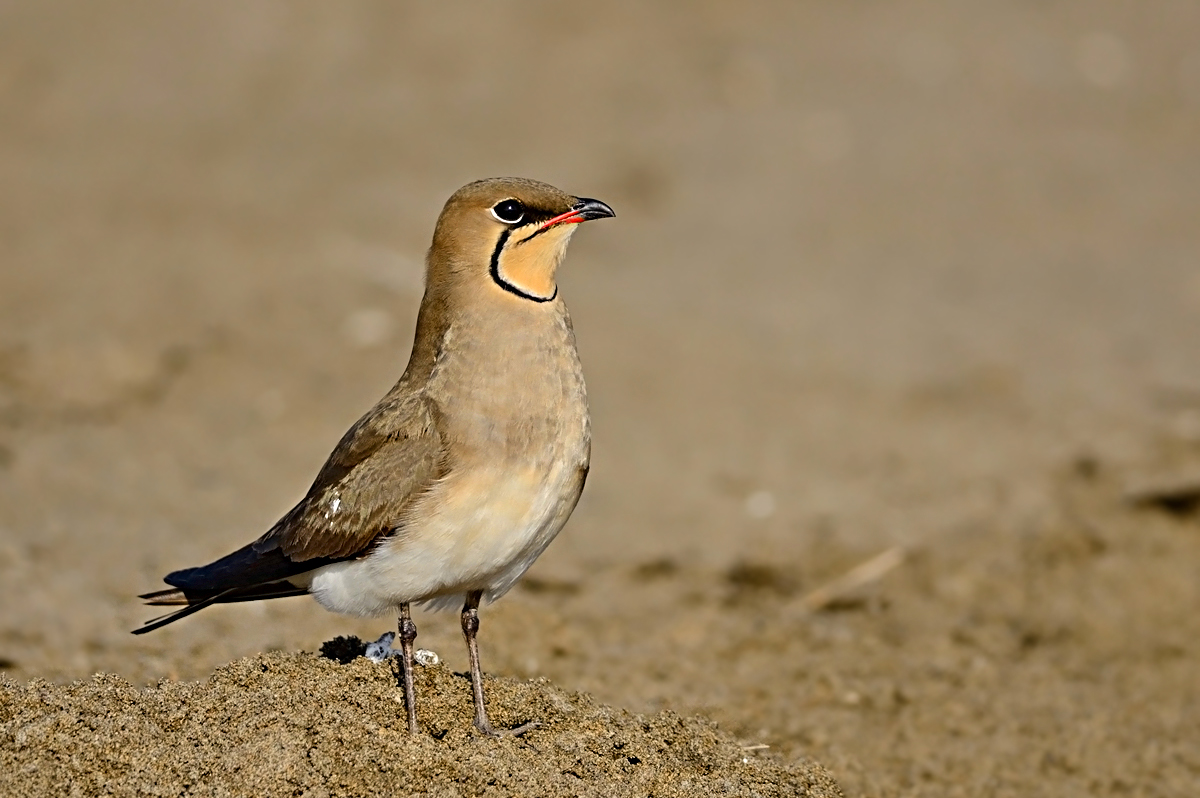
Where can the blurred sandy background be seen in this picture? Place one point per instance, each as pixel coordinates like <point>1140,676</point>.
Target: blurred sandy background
<point>916,274</point>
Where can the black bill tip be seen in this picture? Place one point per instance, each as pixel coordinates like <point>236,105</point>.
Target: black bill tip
<point>589,209</point>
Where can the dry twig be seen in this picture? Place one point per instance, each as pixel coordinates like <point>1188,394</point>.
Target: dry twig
<point>861,574</point>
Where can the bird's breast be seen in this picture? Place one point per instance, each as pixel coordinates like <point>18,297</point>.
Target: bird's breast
<point>513,392</point>
<point>511,409</point>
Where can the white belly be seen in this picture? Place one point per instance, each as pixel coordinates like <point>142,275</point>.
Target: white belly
<point>475,531</point>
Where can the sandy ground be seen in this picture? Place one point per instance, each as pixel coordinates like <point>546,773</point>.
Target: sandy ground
<point>911,284</point>
<point>281,724</point>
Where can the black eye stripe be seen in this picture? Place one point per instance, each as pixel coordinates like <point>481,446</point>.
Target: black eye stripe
<point>514,212</point>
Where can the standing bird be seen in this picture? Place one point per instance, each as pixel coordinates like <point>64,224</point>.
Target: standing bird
<point>452,485</point>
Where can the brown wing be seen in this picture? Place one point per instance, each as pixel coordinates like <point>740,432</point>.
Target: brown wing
<point>383,463</point>
<point>387,459</point>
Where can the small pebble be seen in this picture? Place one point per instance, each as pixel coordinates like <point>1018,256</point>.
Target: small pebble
<point>381,649</point>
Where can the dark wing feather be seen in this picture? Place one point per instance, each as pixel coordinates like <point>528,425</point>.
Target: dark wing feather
<point>244,567</point>
<point>384,462</point>
<point>193,607</point>
<point>195,601</point>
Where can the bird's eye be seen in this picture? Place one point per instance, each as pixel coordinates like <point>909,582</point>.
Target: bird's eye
<point>508,211</point>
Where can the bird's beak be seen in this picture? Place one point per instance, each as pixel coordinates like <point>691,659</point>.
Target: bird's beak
<point>583,210</point>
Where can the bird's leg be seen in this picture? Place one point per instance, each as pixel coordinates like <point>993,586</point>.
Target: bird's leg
<point>470,627</point>
<point>408,633</point>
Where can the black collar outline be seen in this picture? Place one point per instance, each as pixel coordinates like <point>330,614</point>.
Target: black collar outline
<point>505,284</point>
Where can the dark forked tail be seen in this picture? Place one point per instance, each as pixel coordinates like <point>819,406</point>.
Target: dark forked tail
<point>247,574</point>
<point>196,600</point>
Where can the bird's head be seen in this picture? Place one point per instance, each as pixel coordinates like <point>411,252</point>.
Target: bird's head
<point>509,232</point>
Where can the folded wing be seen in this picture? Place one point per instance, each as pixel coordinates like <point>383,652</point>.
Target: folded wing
<point>384,462</point>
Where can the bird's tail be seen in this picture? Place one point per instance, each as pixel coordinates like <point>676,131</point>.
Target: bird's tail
<point>195,600</point>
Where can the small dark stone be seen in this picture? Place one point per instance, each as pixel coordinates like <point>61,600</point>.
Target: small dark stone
<point>343,649</point>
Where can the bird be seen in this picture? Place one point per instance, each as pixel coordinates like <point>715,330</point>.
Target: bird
<point>450,487</point>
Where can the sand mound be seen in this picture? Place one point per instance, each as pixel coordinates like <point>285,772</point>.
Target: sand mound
<point>301,724</point>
